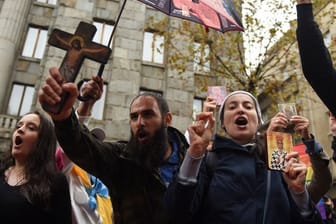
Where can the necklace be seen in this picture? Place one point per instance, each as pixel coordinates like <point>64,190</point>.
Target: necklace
<point>14,179</point>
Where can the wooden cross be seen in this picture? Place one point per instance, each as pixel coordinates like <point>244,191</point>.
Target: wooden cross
<point>78,46</point>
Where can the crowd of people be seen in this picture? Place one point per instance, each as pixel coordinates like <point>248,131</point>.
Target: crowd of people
<point>161,175</point>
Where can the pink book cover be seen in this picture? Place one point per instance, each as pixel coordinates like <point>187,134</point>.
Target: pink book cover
<point>218,93</point>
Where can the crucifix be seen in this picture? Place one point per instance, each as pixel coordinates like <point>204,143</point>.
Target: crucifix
<point>78,46</point>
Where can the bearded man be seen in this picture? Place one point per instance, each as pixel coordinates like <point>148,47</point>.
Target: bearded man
<point>136,172</point>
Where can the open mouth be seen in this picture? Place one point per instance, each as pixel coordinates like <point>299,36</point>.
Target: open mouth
<point>18,140</point>
<point>241,121</point>
<point>142,135</point>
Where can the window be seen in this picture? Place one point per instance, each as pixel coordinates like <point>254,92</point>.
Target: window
<point>51,2</point>
<point>103,34</point>
<point>21,99</point>
<point>153,48</point>
<point>98,108</point>
<point>35,43</point>
<point>197,106</point>
<point>201,57</point>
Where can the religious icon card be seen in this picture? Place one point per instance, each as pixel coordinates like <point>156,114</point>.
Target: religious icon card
<point>288,109</point>
<point>218,93</point>
<point>279,144</point>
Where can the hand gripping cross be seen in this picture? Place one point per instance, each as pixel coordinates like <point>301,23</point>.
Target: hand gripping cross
<point>78,46</point>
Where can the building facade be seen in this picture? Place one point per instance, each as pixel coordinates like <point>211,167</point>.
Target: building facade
<point>137,62</point>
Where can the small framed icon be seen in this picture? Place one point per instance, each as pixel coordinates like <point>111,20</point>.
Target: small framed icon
<point>288,109</point>
<point>279,144</point>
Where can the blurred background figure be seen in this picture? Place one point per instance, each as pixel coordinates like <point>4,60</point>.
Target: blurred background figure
<point>90,198</point>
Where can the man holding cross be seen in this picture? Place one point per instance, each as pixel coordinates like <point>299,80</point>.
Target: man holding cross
<point>137,173</point>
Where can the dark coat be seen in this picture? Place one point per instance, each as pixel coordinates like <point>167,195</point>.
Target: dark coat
<point>235,192</point>
<point>136,193</point>
<point>316,62</point>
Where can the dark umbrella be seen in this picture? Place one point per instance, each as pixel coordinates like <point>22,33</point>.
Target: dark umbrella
<point>217,14</point>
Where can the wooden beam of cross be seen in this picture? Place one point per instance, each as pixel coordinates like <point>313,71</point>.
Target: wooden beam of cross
<point>78,46</point>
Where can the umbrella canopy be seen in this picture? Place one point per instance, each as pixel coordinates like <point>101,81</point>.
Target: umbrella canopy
<point>217,14</point>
